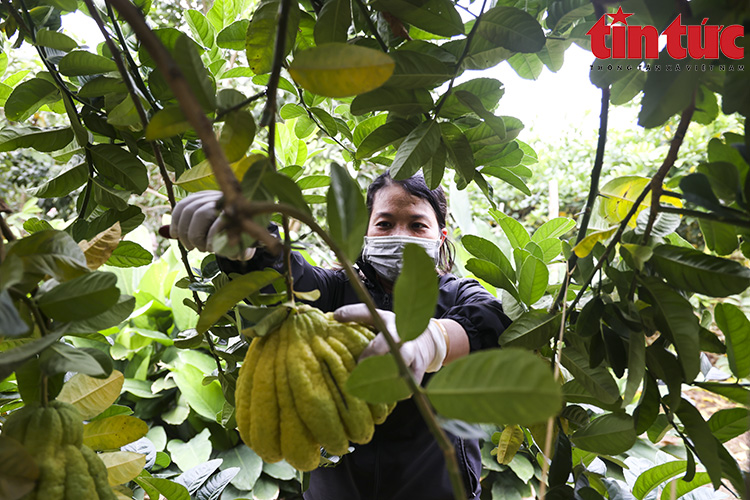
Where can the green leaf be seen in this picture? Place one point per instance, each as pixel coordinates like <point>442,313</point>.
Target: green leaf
<point>636,364</point>
<point>720,238</point>
<point>28,97</point>
<point>596,381</point>
<point>729,423</point>
<point>676,319</point>
<point>416,150</point>
<point>460,155</point>
<point>55,40</point>
<point>286,190</point>
<point>81,297</point>
<point>438,17</point>
<point>415,293</point>
<point>341,70</point>
<point>705,444</point>
<point>417,71</point>
<point>679,488</point>
<point>533,279</point>
<point>11,324</point>
<point>113,432</point>
<point>666,93</point>
<point>736,328</point>
<point>206,399</point>
<point>237,134</point>
<point>169,489</point>
<point>653,477</point>
<point>201,177</point>
<point>122,466</point>
<point>49,252</point>
<point>382,137</point>
<point>12,358</point>
<point>230,294</point>
<point>492,274</point>
<point>404,102</point>
<point>167,122</point>
<point>376,380</point>
<point>475,104</point>
<point>562,13</point>
<point>188,58</point>
<point>486,250</point>
<point>262,30</point>
<point>625,89</point>
<point>81,63</point>
<point>488,90</point>
<point>508,176</point>
<point>101,86</point>
<point>553,229</point>
<point>326,121</point>
<point>202,28</point>
<point>508,386</point>
<point>511,28</point>
<point>129,254</point>
<point>233,37</point>
<point>120,166</point>
<point>551,248</point>
<point>609,434</point>
<point>516,233</point>
<point>62,358</point>
<point>45,141</point>
<point>730,391</point>
<point>347,213</point>
<point>333,22</point>
<point>248,461</point>
<point>91,396</point>
<point>532,330</point>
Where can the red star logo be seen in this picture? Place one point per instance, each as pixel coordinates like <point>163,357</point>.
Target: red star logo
<point>619,17</point>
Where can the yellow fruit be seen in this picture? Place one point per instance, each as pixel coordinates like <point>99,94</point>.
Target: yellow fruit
<point>291,399</point>
<point>53,435</point>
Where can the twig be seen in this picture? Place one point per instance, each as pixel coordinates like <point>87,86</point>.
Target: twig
<point>704,215</point>
<point>371,25</point>
<point>89,185</point>
<point>221,114</point>
<point>288,278</point>
<point>317,122</point>
<point>123,43</point>
<point>593,189</point>
<point>460,61</point>
<point>556,374</point>
<point>657,180</point>
<point>269,112</point>
<point>5,230</point>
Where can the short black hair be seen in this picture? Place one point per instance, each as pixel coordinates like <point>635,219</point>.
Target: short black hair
<point>416,186</point>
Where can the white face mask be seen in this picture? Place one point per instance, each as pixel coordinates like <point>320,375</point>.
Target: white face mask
<point>386,253</point>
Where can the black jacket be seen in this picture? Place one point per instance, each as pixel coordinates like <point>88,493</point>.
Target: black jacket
<point>403,460</point>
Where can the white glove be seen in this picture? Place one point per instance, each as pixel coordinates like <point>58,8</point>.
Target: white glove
<point>196,220</point>
<point>425,353</point>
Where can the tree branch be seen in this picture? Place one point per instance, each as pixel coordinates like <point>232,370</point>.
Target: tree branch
<point>596,172</point>
<point>236,206</point>
<point>657,180</point>
<point>704,215</point>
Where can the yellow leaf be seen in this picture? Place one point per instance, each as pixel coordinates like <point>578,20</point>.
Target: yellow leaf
<point>111,433</point>
<point>201,177</point>
<point>510,442</point>
<point>90,395</point>
<point>123,466</point>
<point>586,245</point>
<point>99,248</point>
<point>341,70</point>
<point>618,196</point>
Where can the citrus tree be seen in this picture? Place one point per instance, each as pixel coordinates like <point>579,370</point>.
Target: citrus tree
<point>233,102</point>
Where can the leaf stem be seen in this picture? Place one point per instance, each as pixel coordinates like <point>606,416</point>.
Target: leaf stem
<point>89,185</point>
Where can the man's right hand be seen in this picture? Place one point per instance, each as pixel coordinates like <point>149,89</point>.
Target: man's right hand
<point>196,221</point>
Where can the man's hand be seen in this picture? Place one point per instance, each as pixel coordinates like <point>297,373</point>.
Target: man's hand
<point>196,220</point>
<point>425,353</point>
